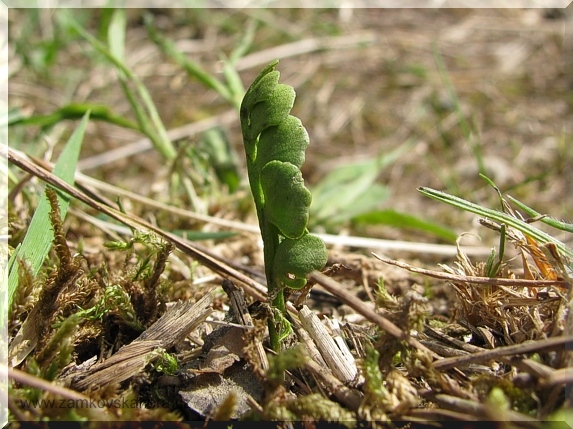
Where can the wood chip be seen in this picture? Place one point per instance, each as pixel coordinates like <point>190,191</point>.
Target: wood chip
<point>336,360</point>
<point>338,290</point>
<point>132,358</point>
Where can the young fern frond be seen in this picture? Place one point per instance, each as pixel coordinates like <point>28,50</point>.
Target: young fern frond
<point>275,144</point>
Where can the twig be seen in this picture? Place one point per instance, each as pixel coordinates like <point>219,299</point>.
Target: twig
<point>349,397</point>
<point>559,376</point>
<point>470,348</point>
<point>499,352</point>
<point>483,412</point>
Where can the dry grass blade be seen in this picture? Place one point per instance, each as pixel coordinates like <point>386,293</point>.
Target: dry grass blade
<point>311,349</point>
<point>117,191</point>
<point>473,279</point>
<point>304,47</point>
<point>143,145</point>
<point>241,312</point>
<point>127,362</point>
<point>255,289</point>
<point>22,377</point>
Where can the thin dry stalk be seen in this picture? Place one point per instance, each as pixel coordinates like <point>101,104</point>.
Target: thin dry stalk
<point>145,144</point>
<point>487,355</point>
<point>351,398</point>
<point>480,411</point>
<point>473,279</point>
<point>22,377</point>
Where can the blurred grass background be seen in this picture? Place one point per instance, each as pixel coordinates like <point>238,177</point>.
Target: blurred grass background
<point>450,92</point>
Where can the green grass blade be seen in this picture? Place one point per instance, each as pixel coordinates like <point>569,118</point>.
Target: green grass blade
<point>498,216</point>
<point>244,44</point>
<point>159,138</point>
<point>234,82</point>
<point>340,188</point>
<point>191,67</point>
<point>116,34</point>
<point>366,202</point>
<point>116,41</point>
<point>403,220</point>
<point>38,239</point>
<point>74,111</point>
<point>548,220</point>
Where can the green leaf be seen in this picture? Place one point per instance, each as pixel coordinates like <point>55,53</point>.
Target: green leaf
<point>265,104</point>
<point>403,220</point>
<point>261,88</point>
<point>284,142</point>
<point>275,143</point>
<point>295,259</point>
<point>273,110</point>
<point>287,200</point>
<point>39,237</point>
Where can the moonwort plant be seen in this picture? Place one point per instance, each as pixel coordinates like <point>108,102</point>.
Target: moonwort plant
<point>275,144</point>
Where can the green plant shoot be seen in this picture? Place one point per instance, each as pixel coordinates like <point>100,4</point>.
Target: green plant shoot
<point>275,144</point>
